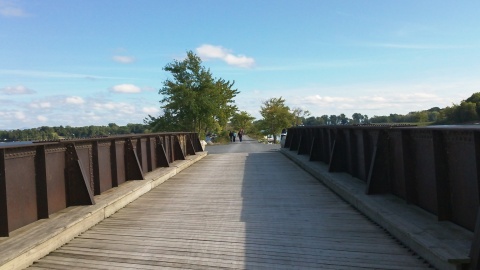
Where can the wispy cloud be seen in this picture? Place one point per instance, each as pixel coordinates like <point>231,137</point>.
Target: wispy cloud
<point>54,74</point>
<point>10,9</point>
<point>42,118</point>
<point>16,90</point>
<point>75,100</point>
<point>208,52</point>
<point>115,106</point>
<point>416,46</point>
<point>19,115</point>
<point>126,89</point>
<point>73,111</point>
<point>123,59</point>
<point>41,105</point>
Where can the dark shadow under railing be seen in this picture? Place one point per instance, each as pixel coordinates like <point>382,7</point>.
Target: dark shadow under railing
<point>39,179</point>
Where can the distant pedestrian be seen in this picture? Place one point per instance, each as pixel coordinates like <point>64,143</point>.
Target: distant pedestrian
<point>240,134</point>
<point>234,136</point>
<point>230,134</point>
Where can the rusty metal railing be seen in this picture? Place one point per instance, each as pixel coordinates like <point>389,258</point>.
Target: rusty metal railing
<point>39,179</point>
<point>435,168</point>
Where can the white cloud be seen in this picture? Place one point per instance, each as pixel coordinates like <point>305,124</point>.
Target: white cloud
<point>123,59</point>
<point>125,88</point>
<point>41,105</point>
<point>75,100</point>
<point>208,52</point>
<point>120,107</point>
<point>20,115</point>
<point>16,90</point>
<point>9,9</point>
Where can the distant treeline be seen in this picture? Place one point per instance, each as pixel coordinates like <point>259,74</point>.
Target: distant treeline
<point>467,112</point>
<point>68,132</point>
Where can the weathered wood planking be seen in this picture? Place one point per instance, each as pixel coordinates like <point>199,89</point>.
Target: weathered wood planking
<point>236,211</point>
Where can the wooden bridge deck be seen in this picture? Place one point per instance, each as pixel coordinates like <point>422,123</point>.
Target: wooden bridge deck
<point>242,210</point>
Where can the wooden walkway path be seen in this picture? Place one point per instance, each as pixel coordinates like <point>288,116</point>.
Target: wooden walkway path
<point>236,211</point>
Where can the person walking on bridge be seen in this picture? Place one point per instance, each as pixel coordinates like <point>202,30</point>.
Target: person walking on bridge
<point>240,134</point>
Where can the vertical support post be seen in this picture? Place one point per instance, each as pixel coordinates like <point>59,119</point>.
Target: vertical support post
<point>301,143</point>
<point>149,154</point>
<point>411,194</point>
<point>378,180</point>
<point>475,248</point>
<point>96,168</point>
<point>132,164</point>
<point>294,141</point>
<point>353,153</point>
<point>288,139</point>
<point>441,176</point>
<point>113,163</point>
<point>139,152</point>
<point>41,181</point>
<point>325,145</point>
<point>190,147</point>
<point>338,156</point>
<point>315,150</point>
<point>162,160</point>
<point>177,149</point>
<point>3,196</point>
<point>78,188</point>
<point>303,146</point>
<point>196,142</point>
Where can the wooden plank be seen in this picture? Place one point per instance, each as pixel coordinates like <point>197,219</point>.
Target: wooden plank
<point>247,210</point>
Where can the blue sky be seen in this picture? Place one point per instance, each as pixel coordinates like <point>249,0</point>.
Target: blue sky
<point>91,62</point>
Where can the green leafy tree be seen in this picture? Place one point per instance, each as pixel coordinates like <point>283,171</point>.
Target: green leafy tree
<point>475,98</point>
<point>314,121</point>
<point>299,116</point>
<point>193,100</point>
<point>366,120</point>
<point>333,119</point>
<point>276,116</point>
<point>342,119</point>
<point>326,119</point>
<point>357,118</point>
<point>466,112</point>
<point>242,120</point>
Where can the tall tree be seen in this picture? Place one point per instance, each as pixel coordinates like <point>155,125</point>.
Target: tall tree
<point>342,119</point>
<point>357,118</point>
<point>299,116</point>
<point>193,100</point>
<point>242,120</point>
<point>276,116</point>
<point>333,119</point>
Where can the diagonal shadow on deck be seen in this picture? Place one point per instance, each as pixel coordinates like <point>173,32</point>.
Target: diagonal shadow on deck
<point>293,221</point>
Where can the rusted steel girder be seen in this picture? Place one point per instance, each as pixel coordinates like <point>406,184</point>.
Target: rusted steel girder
<point>434,168</point>
<point>39,179</point>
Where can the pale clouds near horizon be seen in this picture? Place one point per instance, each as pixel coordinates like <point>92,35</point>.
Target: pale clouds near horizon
<point>373,100</point>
